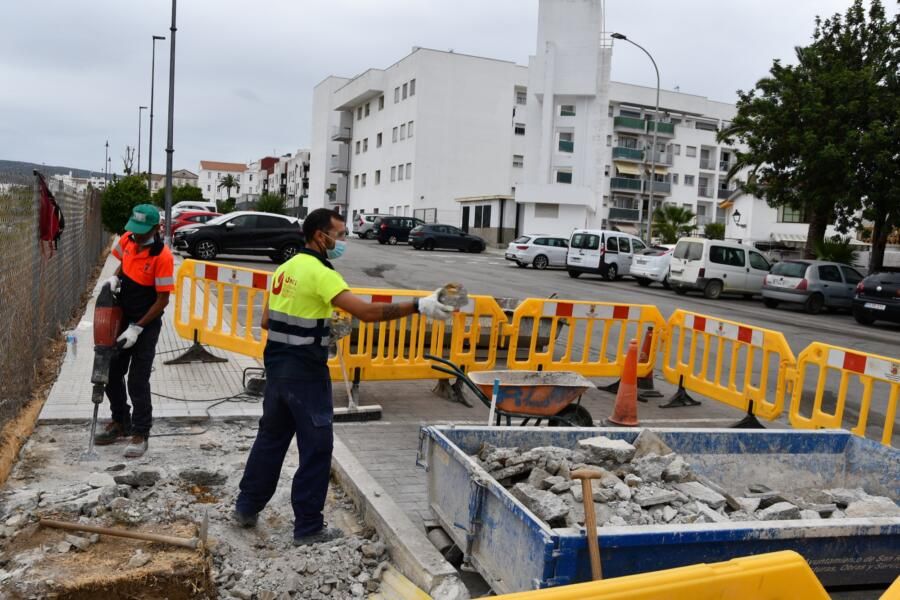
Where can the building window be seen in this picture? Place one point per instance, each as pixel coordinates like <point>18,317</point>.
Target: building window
<point>364,180</point>
<point>409,129</point>
<point>396,95</point>
<point>566,142</point>
<point>356,181</point>
<point>688,180</point>
<point>365,144</point>
<point>251,176</point>
<point>208,188</point>
<point>608,141</point>
<point>399,172</point>
<point>606,170</point>
<point>546,211</point>
<point>690,151</point>
<point>787,214</point>
<point>520,129</point>
<point>567,110</point>
<point>482,217</point>
<point>518,160</point>
<point>209,175</point>
<point>564,176</point>
<point>521,97</point>
<point>367,108</point>
<point>409,170</point>
<point>381,102</point>
<point>394,136</point>
<point>357,146</point>
<point>377,176</point>
<point>378,141</point>
<point>393,173</point>
<point>675,178</point>
<point>359,113</point>
<point>412,87</point>
<point>403,131</point>
<point>405,89</point>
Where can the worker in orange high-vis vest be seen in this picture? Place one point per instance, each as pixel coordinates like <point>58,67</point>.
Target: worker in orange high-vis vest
<point>143,283</point>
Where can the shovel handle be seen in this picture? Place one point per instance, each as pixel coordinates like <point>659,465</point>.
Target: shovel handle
<point>135,535</point>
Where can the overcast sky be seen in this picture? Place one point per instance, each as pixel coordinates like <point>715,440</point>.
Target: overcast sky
<point>72,74</point>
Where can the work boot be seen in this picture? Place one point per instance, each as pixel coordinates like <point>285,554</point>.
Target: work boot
<point>136,447</point>
<point>326,534</point>
<point>245,520</point>
<point>112,433</point>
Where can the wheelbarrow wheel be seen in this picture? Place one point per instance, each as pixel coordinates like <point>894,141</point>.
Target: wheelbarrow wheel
<point>574,415</point>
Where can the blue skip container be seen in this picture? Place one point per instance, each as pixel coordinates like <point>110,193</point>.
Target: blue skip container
<point>515,551</point>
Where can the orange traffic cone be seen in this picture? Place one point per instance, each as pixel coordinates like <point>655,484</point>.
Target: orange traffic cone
<point>625,410</point>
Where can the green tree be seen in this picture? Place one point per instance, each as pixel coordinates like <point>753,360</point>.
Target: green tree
<point>226,206</point>
<point>821,134</point>
<point>671,222</point>
<point>836,249</point>
<point>228,182</point>
<point>181,193</point>
<point>119,198</point>
<point>714,231</point>
<point>271,203</point>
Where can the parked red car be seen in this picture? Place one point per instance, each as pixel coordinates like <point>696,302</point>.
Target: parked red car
<point>193,217</point>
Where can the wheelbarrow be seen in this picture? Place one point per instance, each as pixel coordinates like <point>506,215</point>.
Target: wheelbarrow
<point>554,396</point>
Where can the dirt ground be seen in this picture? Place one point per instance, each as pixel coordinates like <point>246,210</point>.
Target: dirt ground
<point>181,479</point>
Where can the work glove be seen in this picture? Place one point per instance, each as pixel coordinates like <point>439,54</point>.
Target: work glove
<point>431,307</point>
<point>114,284</point>
<point>129,336</point>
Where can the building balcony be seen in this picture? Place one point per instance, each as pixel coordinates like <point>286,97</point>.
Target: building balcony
<point>623,153</point>
<point>704,220</point>
<point>631,215</point>
<point>664,129</point>
<point>708,164</point>
<point>664,158</point>
<point>725,165</point>
<point>340,162</point>
<point>659,187</point>
<point>629,124</point>
<point>625,184</point>
<point>341,134</point>
<point>724,193</point>
<point>705,191</point>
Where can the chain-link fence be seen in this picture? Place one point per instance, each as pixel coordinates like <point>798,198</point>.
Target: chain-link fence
<point>40,294</point>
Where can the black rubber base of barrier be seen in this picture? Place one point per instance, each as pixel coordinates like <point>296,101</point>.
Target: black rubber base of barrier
<point>645,387</point>
<point>196,353</point>
<point>749,421</point>
<point>680,398</point>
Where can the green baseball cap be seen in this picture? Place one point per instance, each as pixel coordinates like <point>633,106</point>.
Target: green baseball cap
<point>143,218</point>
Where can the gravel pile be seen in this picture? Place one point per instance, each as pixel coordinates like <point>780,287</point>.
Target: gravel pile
<point>646,483</point>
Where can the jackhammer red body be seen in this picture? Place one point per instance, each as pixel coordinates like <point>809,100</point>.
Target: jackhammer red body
<point>108,321</point>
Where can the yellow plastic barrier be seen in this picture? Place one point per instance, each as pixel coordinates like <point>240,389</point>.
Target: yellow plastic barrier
<point>734,349</point>
<point>772,576</point>
<point>866,368</point>
<point>231,321</point>
<point>893,592</point>
<point>594,336</point>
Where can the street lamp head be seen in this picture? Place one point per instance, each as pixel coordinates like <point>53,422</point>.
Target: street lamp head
<point>737,217</point>
<point>142,108</point>
<point>618,36</point>
<point>159,37</point>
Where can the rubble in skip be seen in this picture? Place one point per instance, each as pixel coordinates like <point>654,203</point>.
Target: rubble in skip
<point>646,483</point>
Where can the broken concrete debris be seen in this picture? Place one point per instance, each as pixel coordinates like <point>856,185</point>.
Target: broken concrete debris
<point>646,483</point>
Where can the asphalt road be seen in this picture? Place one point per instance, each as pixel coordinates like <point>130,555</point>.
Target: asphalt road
<point>369,264</point>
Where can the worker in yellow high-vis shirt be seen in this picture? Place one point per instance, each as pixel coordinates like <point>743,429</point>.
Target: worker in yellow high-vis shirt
<point>297,400</point>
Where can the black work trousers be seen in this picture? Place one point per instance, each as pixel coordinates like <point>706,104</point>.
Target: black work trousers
<point>137,363</point>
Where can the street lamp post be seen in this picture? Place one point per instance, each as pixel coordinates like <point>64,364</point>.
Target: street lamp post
<point>152,82</point>
<point>619,36</point>
<point>106,164</point>
<point>169,149</point>
<point>140,112</point>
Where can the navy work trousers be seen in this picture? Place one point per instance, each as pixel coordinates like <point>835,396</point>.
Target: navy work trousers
<point>137,363</point>
<point>304,409</point>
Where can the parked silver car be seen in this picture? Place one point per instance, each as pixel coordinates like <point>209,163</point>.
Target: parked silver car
<point>815,284</point>
<point>364,225</point>
<point>538,250</point>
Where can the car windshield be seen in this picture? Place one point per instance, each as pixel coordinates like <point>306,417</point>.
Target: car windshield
<point>790,268</point>
<point>522,240</point>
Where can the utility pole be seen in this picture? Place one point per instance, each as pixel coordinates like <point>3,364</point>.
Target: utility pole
<point>106,164</point>
<point>152,82</point>
<point>169,149</point>
<point>140,112</point>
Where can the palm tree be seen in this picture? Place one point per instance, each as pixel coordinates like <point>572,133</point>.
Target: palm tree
<point>671,222</point>
<point>228,182</point>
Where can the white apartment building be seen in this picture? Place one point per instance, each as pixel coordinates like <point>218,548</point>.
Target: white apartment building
<point>211,175</point>
<point>432,131</point>
<point>79,184</point>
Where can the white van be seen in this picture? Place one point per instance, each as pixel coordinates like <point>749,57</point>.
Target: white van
<point>716,267</point>
<point>191,205</point>
<point>602,251</point>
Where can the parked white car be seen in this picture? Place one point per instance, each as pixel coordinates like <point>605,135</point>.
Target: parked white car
<point>715,267</point>
<point>608,253</point>
<point>538,250</point>
<point>653,265</point>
